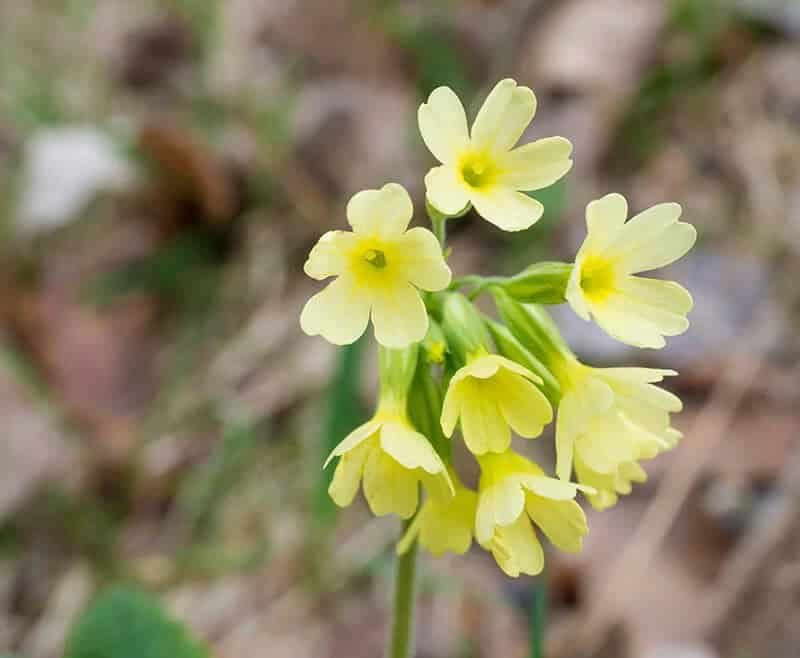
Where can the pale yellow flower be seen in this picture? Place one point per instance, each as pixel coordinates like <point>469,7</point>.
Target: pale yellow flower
<point>444,524</point>
<point>634,310</point>
<point>609,486</point>
<point>608,420</point>
<point>513,493</point>
<point>482,167</point>
<point>391,459</point>
<point>492,395</point>
<point>380,268</point>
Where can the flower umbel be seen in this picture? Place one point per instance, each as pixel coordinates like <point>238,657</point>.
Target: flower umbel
<point>634,310</point>
<point>481,166</point>
<point>513,492</point>
<point>392,459</point>
<point>443,524</point>
<point>380,268</point>
<point>492,395</point>
<point>608,420</point>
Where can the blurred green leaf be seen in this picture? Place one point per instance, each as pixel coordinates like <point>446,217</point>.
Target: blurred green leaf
<point>430,42</point>
<point>185,271</point>
<point>127,623</point>
<point>343,414</point>
<point>436,57</point>
<point>208,488</point>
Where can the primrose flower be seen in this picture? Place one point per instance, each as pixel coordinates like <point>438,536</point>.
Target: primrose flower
<point>514,492</point>
<point>492,395</point>
<point>444,525</point>
<point>380,268</point>
<point>481,167</point>
<point>608,420</point>
<point>392,459</point>
<point>609,486</point>
<point>634,310</point>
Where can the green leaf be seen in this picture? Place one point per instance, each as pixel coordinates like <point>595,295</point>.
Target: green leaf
<point>343,414</point>
<point>127,623</point>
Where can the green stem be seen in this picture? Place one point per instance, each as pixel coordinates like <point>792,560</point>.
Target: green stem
<point>538,616</point>
<point>402,632</point>
<point>439,223</point>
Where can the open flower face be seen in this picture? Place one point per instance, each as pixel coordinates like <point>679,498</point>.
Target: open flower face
<point>380,268</point>
<point>492,395</point>
<point>444,524</point>
<point>609,417</point>
<point>391,459</point>
<point>634,310</point>
<point>482,167</point>
<point>515,492</point>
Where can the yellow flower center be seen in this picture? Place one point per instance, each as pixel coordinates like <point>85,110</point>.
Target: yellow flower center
<point>376,258</point>
<point>597,278</point>
<point>477,170</point>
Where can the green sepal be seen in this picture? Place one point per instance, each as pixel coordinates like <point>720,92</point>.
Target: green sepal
<point>533,327</point>
<point>396,370</point>
<point>463,327</point>
<point>434,345</point>
<point>425,409</point>
<point>434,212</point>
<point>509,347</point>
<point>541,283</point>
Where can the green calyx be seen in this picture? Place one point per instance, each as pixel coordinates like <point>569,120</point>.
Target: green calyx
<point>541,283</point>
<point>396,371</point>
<point>533,328</point>
<point>463,328</point>
<point>509,347</point>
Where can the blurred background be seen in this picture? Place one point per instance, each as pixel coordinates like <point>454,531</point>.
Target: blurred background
<point>165,166</point>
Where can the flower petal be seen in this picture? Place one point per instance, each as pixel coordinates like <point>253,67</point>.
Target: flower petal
<point>547,487</point>
<point>422,260</point>
<point>575,295</point>
<point>329,255</point>
<point>665,248</point>
<point>451,409</point>
<point>605,218</point>
<point>347,476</point>
<point>523,405</point>
<point>536,165</point>
<point>388,487</point>
<point>516,368</point>
<point>506,112</point>
<point>409,448</point>
<point>399,316</point>
<point>352,440</point>
<point>443,125</point>
<point>576,410</point>
<point>499,505</point>
<point>339,313</point>
<point>507,209</point>
<point>520,550</point>
<point>482,423</point>
<point>635,322</point>
<point>385,212</point>
<point>446,191</point>
<point>563,521</point>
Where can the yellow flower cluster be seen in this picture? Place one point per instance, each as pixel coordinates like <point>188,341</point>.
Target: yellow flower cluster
<point>445,365</point>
